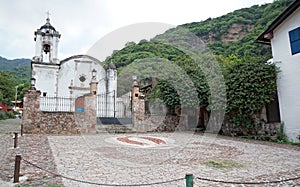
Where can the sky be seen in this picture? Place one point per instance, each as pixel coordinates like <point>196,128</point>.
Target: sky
<point>82,23</point>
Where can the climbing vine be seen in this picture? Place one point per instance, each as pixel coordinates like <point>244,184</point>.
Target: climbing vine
<point>251,84</point>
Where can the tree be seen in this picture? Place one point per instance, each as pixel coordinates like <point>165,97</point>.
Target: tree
<point>7,87</point>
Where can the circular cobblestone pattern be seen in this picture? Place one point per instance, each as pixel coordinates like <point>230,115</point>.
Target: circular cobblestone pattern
<point>142,141</point>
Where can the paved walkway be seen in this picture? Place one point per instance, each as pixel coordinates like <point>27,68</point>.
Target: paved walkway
<point>32,147</point>
<point>7,128</point>
<point>146,158</point>
<point>102,159</point>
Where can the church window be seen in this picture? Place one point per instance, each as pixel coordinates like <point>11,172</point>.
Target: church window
<point>82,78</point>
<point>295,40</point>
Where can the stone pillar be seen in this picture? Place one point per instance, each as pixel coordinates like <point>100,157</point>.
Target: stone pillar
<point>138,105</point>
<point>31,107</point>
<point>94,87</point>
<point>89,116</point>
<point>86,109</point>
<point>111,90</point>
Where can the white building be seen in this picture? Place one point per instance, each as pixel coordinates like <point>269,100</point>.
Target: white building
<point>61,82</point>
<point>70,77</point>
<point>284,36</point>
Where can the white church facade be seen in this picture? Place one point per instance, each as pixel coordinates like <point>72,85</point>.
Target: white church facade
<point>70,77</point>
<point>61,82</point>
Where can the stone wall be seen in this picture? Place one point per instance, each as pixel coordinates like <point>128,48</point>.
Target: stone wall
<point>169,123</point>
<point>87,120</point>
<point>138,106</point>
<point>157,123</point>
<point>36,121</point>
<point>264,132</point>
<point>154,123</point>
<point>138,110</point>
<point>51,123</point>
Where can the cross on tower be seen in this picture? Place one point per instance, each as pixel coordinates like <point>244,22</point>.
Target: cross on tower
<point>48,14</point>
<point>48,17</point>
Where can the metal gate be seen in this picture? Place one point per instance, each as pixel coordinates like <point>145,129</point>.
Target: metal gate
<point>111,106</point>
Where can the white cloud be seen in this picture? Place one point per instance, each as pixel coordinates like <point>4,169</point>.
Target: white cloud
<point>81,23</point>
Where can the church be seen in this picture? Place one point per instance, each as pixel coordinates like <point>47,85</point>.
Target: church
<point>71,95</point>
<point>71,77</point>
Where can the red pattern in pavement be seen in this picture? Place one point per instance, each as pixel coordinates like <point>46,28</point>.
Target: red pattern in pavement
<point>127,140</point>
<point>155,140</point>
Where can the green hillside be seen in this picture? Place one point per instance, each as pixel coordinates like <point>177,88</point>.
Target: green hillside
<point>20,68</point>
<point>13,73</point>
<point>231,34</point>
<point>6,64</point>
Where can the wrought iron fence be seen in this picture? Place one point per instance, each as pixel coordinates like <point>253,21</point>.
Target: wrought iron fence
<point>57,104</point>
<point>123,106</point>
<point>108,105</point>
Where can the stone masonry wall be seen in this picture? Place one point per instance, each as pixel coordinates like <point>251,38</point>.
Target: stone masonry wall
<point>170,123</point>
<point>36,121</point>
<point>154,123</point>
<point>157,123</point>
<point>265,131</point>
<point>138,110</point>
<point>138,107</point>
<point>87,120</point>
<point>52,123</point>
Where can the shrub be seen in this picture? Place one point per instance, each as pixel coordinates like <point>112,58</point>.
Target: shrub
<point>251,84</point>
<point>10,115</point>
<point>281,136</point>
<point>2,116</point>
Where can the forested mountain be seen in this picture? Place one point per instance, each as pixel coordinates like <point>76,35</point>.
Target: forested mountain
<point>13,73</point>
<point>231,34</point>
<point>6,65</point>
<point>20,68</point>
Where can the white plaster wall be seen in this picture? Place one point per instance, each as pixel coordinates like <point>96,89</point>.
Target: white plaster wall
<point>289,77</point>
<point>55,49</point>
<point>66,74</point>
<point>45,78</point>
<point>38,46</point>
<point>72,69</point>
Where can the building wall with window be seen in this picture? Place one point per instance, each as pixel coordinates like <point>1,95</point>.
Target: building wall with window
<point>286,53</point>
<point>75,76</point>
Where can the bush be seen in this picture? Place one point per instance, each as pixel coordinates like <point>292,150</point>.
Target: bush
<point>281,136</point>
<point>7,115</point>
<point>251,84</point>
<point>10,115</point>
<point>2,116</point>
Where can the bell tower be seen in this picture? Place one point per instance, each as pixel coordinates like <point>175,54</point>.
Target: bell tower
<point>45,64</point>
<point>46,45</point>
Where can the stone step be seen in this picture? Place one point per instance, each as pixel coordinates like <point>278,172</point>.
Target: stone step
<point>115,128</point>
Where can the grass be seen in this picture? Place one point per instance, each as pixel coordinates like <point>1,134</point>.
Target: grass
<point>292,143</point>
<point>223,164</point>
